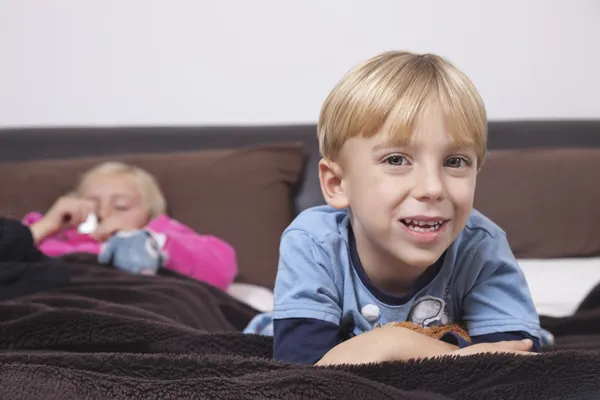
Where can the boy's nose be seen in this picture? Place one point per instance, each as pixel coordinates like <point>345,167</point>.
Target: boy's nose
<point>428,186</point>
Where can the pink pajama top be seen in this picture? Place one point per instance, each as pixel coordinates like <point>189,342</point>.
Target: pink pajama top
<point>202,257</point>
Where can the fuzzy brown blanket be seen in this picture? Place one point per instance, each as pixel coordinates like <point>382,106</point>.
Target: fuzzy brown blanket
<point>109,335</point>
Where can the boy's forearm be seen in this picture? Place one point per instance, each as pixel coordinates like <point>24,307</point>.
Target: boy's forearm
<point>386,344</point>
<point>414,345</point>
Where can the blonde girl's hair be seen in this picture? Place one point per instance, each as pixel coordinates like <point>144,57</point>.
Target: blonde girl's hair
<point>152,195</point>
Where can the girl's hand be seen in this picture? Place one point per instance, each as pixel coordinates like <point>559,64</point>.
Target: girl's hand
<point>67,211</point>
<point>107,228</point>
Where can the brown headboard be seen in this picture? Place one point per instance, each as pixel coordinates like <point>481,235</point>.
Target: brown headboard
<point>542,188</point>
<point>42,143</point>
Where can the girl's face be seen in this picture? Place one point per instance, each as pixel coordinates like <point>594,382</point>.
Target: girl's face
<point>119,200</point>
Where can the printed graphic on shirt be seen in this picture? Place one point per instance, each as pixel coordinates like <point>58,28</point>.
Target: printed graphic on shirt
<point>429,311</point>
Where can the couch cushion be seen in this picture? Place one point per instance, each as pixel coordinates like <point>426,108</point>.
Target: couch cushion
<point>243,196</point>
<point>547,200</point>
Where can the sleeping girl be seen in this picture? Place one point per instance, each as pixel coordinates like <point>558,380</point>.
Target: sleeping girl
<point>120,211</point>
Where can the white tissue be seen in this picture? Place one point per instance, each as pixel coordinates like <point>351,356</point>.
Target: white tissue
<point>89,226</point>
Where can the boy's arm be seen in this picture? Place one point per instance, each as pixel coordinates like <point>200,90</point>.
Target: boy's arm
<point>303,340</point>
<point>306,300</point>
<point>499,306</point>
<point>457,340</point>
<point>386,344</point>
<point>506,336</point>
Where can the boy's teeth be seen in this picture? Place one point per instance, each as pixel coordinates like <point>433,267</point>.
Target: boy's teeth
<point>422,226</point>
<point>421,223</point>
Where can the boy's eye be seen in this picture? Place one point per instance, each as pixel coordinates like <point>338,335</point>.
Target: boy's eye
<point>396,160</point>
<point>456,162</point>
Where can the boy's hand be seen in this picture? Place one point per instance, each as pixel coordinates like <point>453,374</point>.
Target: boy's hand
<point>385,344</point>
<point>519,347</point>
<point>66,211</point>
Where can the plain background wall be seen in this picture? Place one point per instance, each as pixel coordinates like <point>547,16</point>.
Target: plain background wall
<point>119,62</point>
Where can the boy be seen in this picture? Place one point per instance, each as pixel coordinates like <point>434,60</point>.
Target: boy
<point>402,138</point>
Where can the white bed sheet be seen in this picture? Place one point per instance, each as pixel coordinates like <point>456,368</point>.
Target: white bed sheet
<point>557,285</point>
<point>256,296</point>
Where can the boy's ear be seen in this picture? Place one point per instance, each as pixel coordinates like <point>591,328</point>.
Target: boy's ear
<point>332,184</point>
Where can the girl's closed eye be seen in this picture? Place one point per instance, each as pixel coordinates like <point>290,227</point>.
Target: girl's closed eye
<point>122,207</point>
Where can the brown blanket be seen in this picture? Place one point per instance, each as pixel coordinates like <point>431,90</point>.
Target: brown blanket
<point>109,335</point>
<point>580,330</point>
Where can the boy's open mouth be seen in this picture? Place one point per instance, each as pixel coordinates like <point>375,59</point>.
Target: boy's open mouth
<point>423,226</point>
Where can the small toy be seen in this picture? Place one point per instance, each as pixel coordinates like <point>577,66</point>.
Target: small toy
<point>89,225</point>
<point>435,332</point>
<point>138,252</point>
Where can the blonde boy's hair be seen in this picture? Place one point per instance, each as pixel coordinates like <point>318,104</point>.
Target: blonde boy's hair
<point>149,188</point>
<point>400,85</point>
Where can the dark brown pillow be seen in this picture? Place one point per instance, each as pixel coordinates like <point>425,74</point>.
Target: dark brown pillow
<point>240,195</point>
<point>547,200</point>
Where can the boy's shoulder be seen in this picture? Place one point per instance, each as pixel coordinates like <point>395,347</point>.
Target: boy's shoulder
<point>313,259</point>
<point>321,223</point>
<point>480,226</point>
<point>482,237</point>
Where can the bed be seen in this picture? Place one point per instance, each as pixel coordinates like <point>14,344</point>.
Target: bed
<point>110,335</point>
<point>105,334</point>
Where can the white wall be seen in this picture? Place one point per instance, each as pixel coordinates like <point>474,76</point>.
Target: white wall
<point>105,62</point>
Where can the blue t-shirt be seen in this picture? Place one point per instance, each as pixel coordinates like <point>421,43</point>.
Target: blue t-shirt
<point>323,293</point>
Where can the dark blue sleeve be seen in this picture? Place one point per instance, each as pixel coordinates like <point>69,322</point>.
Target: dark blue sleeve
<point>303,340</point>
<point>456,340</point>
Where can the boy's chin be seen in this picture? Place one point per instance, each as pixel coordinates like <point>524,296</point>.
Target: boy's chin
<point>421,260</point>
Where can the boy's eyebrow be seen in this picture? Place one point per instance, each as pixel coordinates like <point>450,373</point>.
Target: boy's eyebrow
<point>458,147</point>
<point>451,148</point>
<point>388,144</point>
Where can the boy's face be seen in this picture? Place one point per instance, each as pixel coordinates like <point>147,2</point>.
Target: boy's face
<point>408,203</point>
